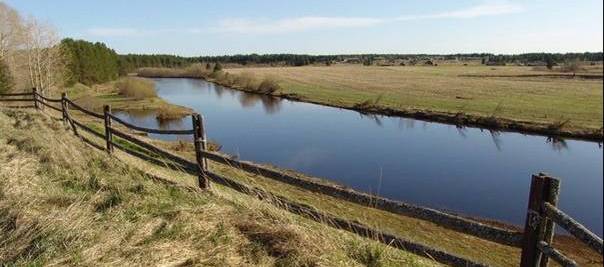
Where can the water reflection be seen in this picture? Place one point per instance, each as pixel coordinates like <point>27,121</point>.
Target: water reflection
<point>373,117</point>
<point>557,144</point>
<point>467,170</point>
<point>495,136</point>
<point>270,104</point>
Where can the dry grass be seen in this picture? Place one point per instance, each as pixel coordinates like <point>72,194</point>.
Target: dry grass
<point>63,203</point>
<point>444,89</point>
<point>193,71</point>
<point>136,88</point>
<point>94,97</point>
<point>416,230</point>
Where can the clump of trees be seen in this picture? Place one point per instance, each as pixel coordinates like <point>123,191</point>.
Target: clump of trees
<point>30,52</point>
<point>89,63</point>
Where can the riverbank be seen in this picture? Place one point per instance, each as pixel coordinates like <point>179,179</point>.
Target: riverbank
<point>413,229</point>
<point>64,203</point>
<point>540,105</point>
<point>96,96</point>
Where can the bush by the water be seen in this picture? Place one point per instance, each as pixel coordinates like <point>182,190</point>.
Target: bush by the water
<point>268,86</point>
<point>136,88</point>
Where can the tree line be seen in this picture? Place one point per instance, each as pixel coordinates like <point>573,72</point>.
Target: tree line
<point>89,63</point>
<point>131,62</point>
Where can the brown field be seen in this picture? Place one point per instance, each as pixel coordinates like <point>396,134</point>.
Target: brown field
<point>572,104</point>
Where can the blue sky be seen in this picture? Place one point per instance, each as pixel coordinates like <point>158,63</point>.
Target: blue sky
<point>326,27</point>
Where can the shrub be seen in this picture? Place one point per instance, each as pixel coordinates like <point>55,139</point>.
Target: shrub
<point>571,66</point>
<point>217,67</point>
<point>136,88</point>
<point>246,80</point>
<point>268,86</point>
<point>6,79</point>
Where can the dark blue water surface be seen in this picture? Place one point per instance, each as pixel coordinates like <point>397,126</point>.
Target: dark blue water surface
<point>469,171</point>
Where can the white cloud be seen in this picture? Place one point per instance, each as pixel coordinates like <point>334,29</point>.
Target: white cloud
<point>488,9</point>
<point>293,24</point>
<point>289,25</point>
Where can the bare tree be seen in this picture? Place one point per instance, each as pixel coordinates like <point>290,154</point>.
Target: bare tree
<point>31,49</point>
<point>10,30</point>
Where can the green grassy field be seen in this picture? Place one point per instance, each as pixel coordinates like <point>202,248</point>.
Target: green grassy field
<point>571,104</point>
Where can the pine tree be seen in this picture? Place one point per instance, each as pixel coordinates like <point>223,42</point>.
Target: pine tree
<point>549,61</point>
<point>6,79</point>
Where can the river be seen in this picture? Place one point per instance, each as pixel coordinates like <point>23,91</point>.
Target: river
<point>464,170</point>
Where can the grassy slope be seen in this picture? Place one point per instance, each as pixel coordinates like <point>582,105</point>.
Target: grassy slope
<point>412,229</point>
<point>61,202</point>
<point>542,100</point>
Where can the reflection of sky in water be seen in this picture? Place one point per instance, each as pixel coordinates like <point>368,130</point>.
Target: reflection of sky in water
<point>467,170</point>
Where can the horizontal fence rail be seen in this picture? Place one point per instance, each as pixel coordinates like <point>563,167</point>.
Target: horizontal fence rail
<point>573,227</point>
<point>87,112</point>
<point>17,94</point>
<point>17,99</point>
<point>87,129</point>
<point>495,234</point>
<point>148,130</point>
<point>51,106</point>
<point>54,100</point>
<point>535,240</point>
<point>312,213</point>
<point>554,254</point>
<point>150,147</point>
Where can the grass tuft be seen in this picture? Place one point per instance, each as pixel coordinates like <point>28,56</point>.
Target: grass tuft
<point>136,88</point>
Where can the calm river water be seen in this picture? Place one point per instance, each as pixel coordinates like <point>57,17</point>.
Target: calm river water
<point>468,171</point>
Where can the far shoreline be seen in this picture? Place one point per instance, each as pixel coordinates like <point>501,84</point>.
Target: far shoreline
<point>455,119</point>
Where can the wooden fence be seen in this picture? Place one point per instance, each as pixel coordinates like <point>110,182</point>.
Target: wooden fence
<point>535,241</point>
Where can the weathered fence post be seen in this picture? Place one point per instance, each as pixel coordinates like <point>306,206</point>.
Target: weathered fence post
<point>536,227</point>
<point>108,137</point>
<point>64,107</point>
<point>199,140</point>
<point>552,186</point>
<point>35,92</point>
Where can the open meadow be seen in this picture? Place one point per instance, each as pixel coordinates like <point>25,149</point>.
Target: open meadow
<point>515,93</point>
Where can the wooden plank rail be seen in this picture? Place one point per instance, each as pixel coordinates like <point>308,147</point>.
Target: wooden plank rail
<point>51,106</point>
<point>356,228</point>
<point>88,129</point>
<point>495,234</point>
<point>16,99</point>
<point>554,254</point>
<point>148,130</point>
<point>573,227</point>
<point>17,94</point>
<point>54,100</point>
<point>190,168</point>
<point>150,147</point>
<point>535,240</point>
<point>85,111</point>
